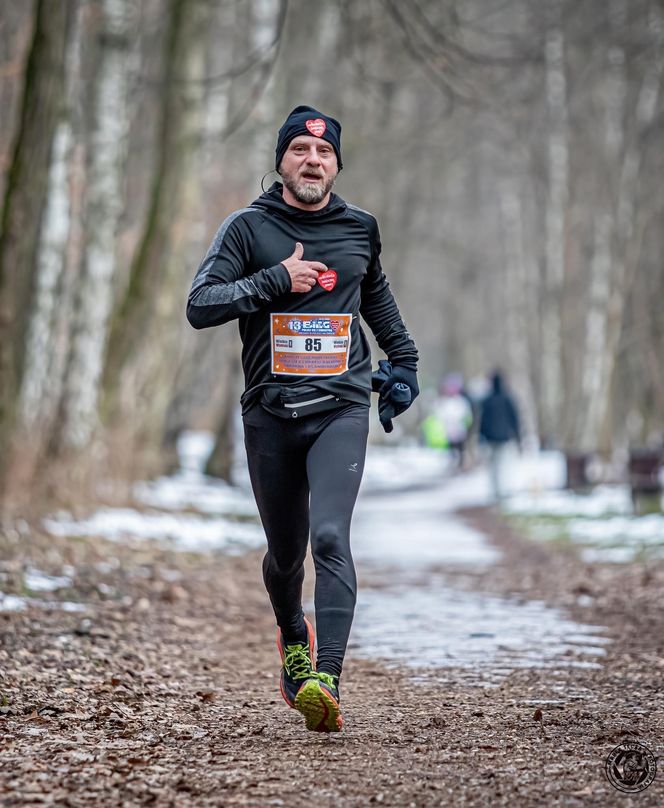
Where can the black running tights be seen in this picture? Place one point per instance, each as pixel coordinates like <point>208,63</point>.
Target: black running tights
<point>305,474</point>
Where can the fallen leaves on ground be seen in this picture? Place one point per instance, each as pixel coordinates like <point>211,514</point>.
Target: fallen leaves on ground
<point>165,692</point>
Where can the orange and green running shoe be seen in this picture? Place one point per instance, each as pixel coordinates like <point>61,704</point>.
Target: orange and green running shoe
<point>297,665</point>
<point>318,701</point>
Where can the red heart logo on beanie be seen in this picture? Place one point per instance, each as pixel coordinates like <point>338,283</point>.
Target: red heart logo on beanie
<point>328,279</point>
<point>316,126</point>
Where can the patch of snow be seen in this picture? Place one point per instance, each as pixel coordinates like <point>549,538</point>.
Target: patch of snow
<point>610,555</point>
<point>602,519</point>
<point>107,567</point>
<point>190,489</point>
<point>390,468</point>
<point>194,447</point>
<point>184,531</point>
<point>605,499</point>
<point>619,539</point>
<point>585,600</point>
<point>399,468</point>
<point>185,490</point>
<point>38,581</point>
<point>14,603</point>
<point>533,472</point>
<point>619,529</point>
<point>66,606</point>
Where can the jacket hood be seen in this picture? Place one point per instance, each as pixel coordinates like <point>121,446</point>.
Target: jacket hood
<point>497,383</point>
<point>273,199</point>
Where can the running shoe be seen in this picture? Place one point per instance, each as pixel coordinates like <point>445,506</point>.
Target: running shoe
<point>318,701</point>
<point>297,664</point>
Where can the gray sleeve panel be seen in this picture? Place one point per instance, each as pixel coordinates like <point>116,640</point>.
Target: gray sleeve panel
<point>221,290</point>
<point>224,293</point>
<point>215,248</point>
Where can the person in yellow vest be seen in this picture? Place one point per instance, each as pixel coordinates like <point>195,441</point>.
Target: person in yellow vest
<point>448,425</point>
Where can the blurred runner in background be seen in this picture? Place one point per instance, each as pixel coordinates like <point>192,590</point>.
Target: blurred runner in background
<point>499,426</point>
<point>449,424</point>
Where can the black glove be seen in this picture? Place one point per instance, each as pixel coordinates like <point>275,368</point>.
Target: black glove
<point>397,401</point>
<point>405,376</point>
<point>380,376</point>
<point>398,389</point>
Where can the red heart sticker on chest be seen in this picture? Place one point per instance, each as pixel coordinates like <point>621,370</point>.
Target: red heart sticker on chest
<point>328,279</point>
<point>316,126</point>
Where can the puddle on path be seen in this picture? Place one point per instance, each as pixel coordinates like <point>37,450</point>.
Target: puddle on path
<point>416,618</point>
<point>439,627</point>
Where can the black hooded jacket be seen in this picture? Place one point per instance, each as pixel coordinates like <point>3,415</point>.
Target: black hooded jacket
<point>499,421</point>
<point>241,277</point>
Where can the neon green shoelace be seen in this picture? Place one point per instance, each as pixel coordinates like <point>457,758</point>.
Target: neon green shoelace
<point>297,661</point>
<point>327,678</point>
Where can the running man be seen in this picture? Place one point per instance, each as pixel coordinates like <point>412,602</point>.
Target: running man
<point>297,268</point>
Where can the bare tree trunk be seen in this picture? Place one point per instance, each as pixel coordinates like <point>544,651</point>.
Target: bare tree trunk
<point>220,462</point>
<point>134,313</point>
<point>558,157</point>
<point>595,358</point>
<point>94,302</point>
<point>593,407</point>
<point>145,350</point>
<point>617,245</point>
<point>59,261</point>
<point>517,310</point>
<point>25,193</point>
<point>18,20</point>
<point>50,263</point>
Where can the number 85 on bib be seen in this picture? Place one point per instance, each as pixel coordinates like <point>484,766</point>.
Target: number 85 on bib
<point>310,344</point>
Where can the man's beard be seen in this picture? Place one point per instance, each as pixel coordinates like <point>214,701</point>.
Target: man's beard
<point>305,192</point>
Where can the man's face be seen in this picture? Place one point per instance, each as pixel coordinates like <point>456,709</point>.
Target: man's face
<point>309,168</point>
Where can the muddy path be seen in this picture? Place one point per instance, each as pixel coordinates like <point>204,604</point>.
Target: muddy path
<point>164,691</point>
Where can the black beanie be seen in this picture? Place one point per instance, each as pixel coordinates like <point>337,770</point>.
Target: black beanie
<point>308,121</point>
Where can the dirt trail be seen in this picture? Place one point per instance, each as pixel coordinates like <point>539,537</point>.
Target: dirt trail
<point>165,692</point>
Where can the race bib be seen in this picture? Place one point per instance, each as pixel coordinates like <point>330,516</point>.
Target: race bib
<point>310,344</point>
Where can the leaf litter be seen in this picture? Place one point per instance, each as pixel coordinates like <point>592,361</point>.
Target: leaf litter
<point>165,691</point>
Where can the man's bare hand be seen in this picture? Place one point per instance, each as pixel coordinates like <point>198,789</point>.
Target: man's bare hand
<point>304,274</point>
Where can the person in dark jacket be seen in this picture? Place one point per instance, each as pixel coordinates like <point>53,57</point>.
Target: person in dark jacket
<point>499,425</point>
<point>297,268</point>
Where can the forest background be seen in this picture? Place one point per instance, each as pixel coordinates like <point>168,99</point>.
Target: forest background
<point>511,150</point>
